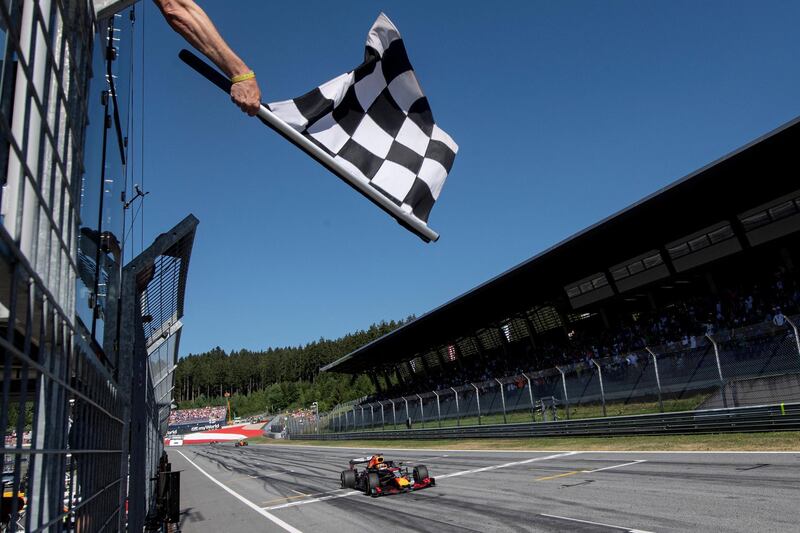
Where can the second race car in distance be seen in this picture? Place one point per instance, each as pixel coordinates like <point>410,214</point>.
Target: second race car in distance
<point>381,477</point>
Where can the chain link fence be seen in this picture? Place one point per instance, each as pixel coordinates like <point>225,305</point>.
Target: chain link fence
<point>757,365</point>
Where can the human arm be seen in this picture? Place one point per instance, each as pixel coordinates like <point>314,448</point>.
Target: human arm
<point>190,21</point>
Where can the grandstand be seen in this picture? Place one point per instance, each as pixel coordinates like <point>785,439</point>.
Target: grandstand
<point>702,275</point>
<point>182,421</point>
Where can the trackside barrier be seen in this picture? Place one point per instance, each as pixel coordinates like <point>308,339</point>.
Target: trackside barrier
<point>780,417</point>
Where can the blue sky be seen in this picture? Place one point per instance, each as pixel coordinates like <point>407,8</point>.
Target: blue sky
<point>564,112</point>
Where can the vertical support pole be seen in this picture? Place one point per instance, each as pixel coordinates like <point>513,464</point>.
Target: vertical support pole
<point>658,378</point>
<point>530,395</point>
<point>602,388</point>
<point>796,337</point>
<point>408,417</point>
<point>564,385</point>
<point>394,414</point>
<point>421,412</point>
<point>458,411</point>
<point>363,422</point>
<point>503,398</point>
<point>354,418</point>
<point>372,415</point>
<point>383,420</point>
<point>719,371</point>
<point>438,409</point>
<point>716,357</point>
<point>478,399</point>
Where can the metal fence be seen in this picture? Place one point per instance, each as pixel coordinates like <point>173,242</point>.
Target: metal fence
<point>88,348</point>
<point>758,365</point>
<point>783,417</point>
<point>152,296</point>
<point>62,412</point>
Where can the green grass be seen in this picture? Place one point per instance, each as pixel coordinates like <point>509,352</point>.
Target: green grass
<point>773,441</point>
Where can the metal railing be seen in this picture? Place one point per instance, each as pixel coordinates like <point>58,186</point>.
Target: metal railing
<point>783,417</point>
<point>761,362</point>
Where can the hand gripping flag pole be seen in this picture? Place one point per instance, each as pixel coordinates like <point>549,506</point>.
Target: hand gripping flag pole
<point>372,127</point>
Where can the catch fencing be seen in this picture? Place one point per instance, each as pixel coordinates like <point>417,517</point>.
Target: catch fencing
<point>757,365</point>
<point>88,349</point>
<point>783,417</point>
<point>64,448</point>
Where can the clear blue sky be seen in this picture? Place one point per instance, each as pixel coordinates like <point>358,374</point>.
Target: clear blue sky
<point>565,112</point>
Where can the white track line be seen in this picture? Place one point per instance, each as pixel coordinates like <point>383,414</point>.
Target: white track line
<point>506,465</point>
<point>615,466</point>
<point>313,500</point>
<point>454,474</point>
<point>277,521</point>
<point>637,452</point>
<point>621,528</point>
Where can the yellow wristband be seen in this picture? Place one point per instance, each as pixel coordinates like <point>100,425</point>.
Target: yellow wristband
<point>243,77</point>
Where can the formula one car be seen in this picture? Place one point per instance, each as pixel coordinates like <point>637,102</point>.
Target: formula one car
<point>381,477</point>
<point>241,443</point>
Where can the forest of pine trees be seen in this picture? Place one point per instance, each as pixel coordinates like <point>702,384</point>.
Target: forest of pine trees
<point>277,378</point>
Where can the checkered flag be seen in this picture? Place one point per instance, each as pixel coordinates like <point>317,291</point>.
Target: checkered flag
<point>376,123</point>
<point>372,127</point>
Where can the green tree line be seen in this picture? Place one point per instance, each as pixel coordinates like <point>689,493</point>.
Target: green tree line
<point>276,378</point>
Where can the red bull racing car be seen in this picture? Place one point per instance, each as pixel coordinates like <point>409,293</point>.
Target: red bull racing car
<point>381,477</point>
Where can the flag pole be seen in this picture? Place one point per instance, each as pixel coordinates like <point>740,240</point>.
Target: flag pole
<point>266,116</point>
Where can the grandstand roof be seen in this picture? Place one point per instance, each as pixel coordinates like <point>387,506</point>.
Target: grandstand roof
<point>755,174</point>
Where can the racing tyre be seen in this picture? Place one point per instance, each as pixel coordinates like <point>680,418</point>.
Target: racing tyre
<point>373,482</point>
<point>420,473</point>
<point>348,479</point>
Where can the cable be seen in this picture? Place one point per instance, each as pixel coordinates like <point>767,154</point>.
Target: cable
<point>141,129</point>
<point>128,126</point>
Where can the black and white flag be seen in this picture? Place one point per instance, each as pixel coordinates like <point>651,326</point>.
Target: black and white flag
<point>376,123</point>
<point>372,127</point>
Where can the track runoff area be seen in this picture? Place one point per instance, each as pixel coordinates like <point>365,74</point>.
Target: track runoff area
<point>296,488</point>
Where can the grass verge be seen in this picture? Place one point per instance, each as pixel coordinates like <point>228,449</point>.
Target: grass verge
<point>754,442</point>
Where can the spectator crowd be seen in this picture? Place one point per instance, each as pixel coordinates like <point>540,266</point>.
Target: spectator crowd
<point>682,324</point>
<point>197,415</point>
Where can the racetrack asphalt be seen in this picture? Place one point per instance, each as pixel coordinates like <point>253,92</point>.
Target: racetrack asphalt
<point>296,488</point>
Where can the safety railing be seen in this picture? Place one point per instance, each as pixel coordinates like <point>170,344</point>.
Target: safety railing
<point>782,417</point>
